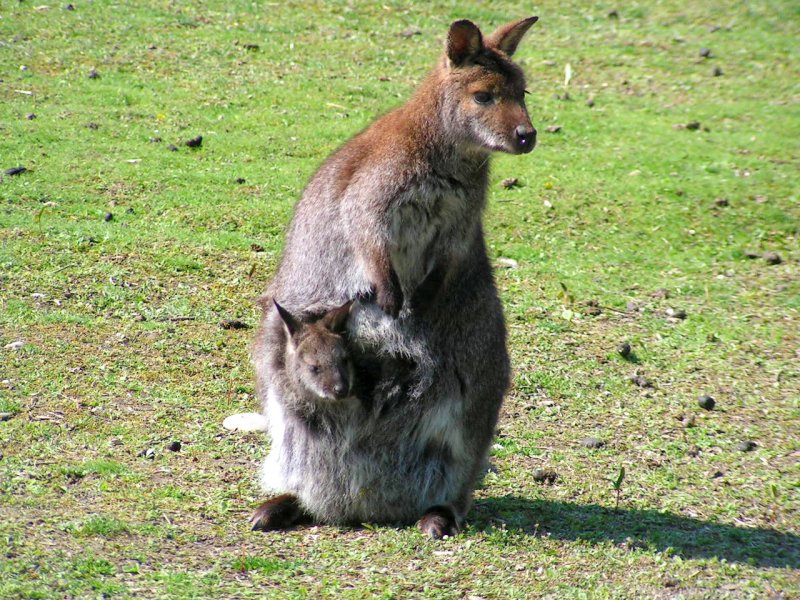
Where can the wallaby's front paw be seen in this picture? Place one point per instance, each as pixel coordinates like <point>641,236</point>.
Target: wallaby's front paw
<point>280,512</point>
<point>438,522</point>
<point>390,299</point>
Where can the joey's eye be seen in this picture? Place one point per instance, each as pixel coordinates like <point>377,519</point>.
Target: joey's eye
<point>314,369</point>
<point>482,97</point>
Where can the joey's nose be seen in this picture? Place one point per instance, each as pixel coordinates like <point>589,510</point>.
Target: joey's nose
<point>340,389</point>
<point>526,138</point>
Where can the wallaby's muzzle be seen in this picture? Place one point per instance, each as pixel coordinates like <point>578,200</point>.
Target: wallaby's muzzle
<point>525,138</point>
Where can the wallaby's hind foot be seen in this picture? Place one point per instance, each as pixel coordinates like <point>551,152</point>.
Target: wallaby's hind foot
<point>280,512</point>
<point>439,521</point>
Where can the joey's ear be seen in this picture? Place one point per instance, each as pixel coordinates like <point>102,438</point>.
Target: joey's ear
<point>507,37</point>
<point>291,324</point>
<point>336,319</point>
<point>464,41</point>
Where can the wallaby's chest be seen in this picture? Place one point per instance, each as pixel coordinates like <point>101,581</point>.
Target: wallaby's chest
<point>431,217</point>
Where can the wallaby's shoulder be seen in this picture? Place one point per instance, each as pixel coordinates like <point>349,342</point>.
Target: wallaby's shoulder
<point>389,152</point>
<point>392,151</point>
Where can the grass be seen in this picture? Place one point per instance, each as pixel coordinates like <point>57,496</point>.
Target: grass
<point>617,218</point>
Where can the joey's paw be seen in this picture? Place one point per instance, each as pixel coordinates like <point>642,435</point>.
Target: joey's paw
<point>390,300</point>
<point>276,513</point>
<point>438,522</point>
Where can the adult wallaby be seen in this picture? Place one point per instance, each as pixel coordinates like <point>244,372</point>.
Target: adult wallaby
<point>395,216</point>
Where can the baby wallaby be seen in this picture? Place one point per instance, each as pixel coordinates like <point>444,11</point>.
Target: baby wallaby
<point>317,359</point>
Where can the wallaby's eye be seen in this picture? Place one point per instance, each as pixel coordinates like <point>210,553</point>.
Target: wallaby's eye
<point>314,369</point>
<point>482,97</point>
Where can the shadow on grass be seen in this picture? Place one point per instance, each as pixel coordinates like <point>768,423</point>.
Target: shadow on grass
<point>687,537</point>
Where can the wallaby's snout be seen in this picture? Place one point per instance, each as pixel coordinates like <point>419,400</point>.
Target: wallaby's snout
<point>333,381</point>
<point>342,385</point>
<point>526,138</point>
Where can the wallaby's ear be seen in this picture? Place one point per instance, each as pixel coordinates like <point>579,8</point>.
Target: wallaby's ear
<point>507,37</point>
<point>464,42</point>
<point>336,319</point>
<point>291,324</point>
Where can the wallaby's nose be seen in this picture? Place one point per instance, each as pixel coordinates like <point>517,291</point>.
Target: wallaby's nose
<point>526,138</point>
<point>341,388</point>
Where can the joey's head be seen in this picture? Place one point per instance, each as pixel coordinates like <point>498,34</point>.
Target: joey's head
<point>483,91</point>
<point>317,358</point>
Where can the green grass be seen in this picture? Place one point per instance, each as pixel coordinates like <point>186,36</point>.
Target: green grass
<point>123,352</point>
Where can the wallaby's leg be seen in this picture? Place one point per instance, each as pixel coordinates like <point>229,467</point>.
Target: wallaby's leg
<point>439,521</point>
<point>280,512</point>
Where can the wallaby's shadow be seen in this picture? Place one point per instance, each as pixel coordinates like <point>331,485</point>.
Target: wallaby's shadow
<point>690,538</point>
